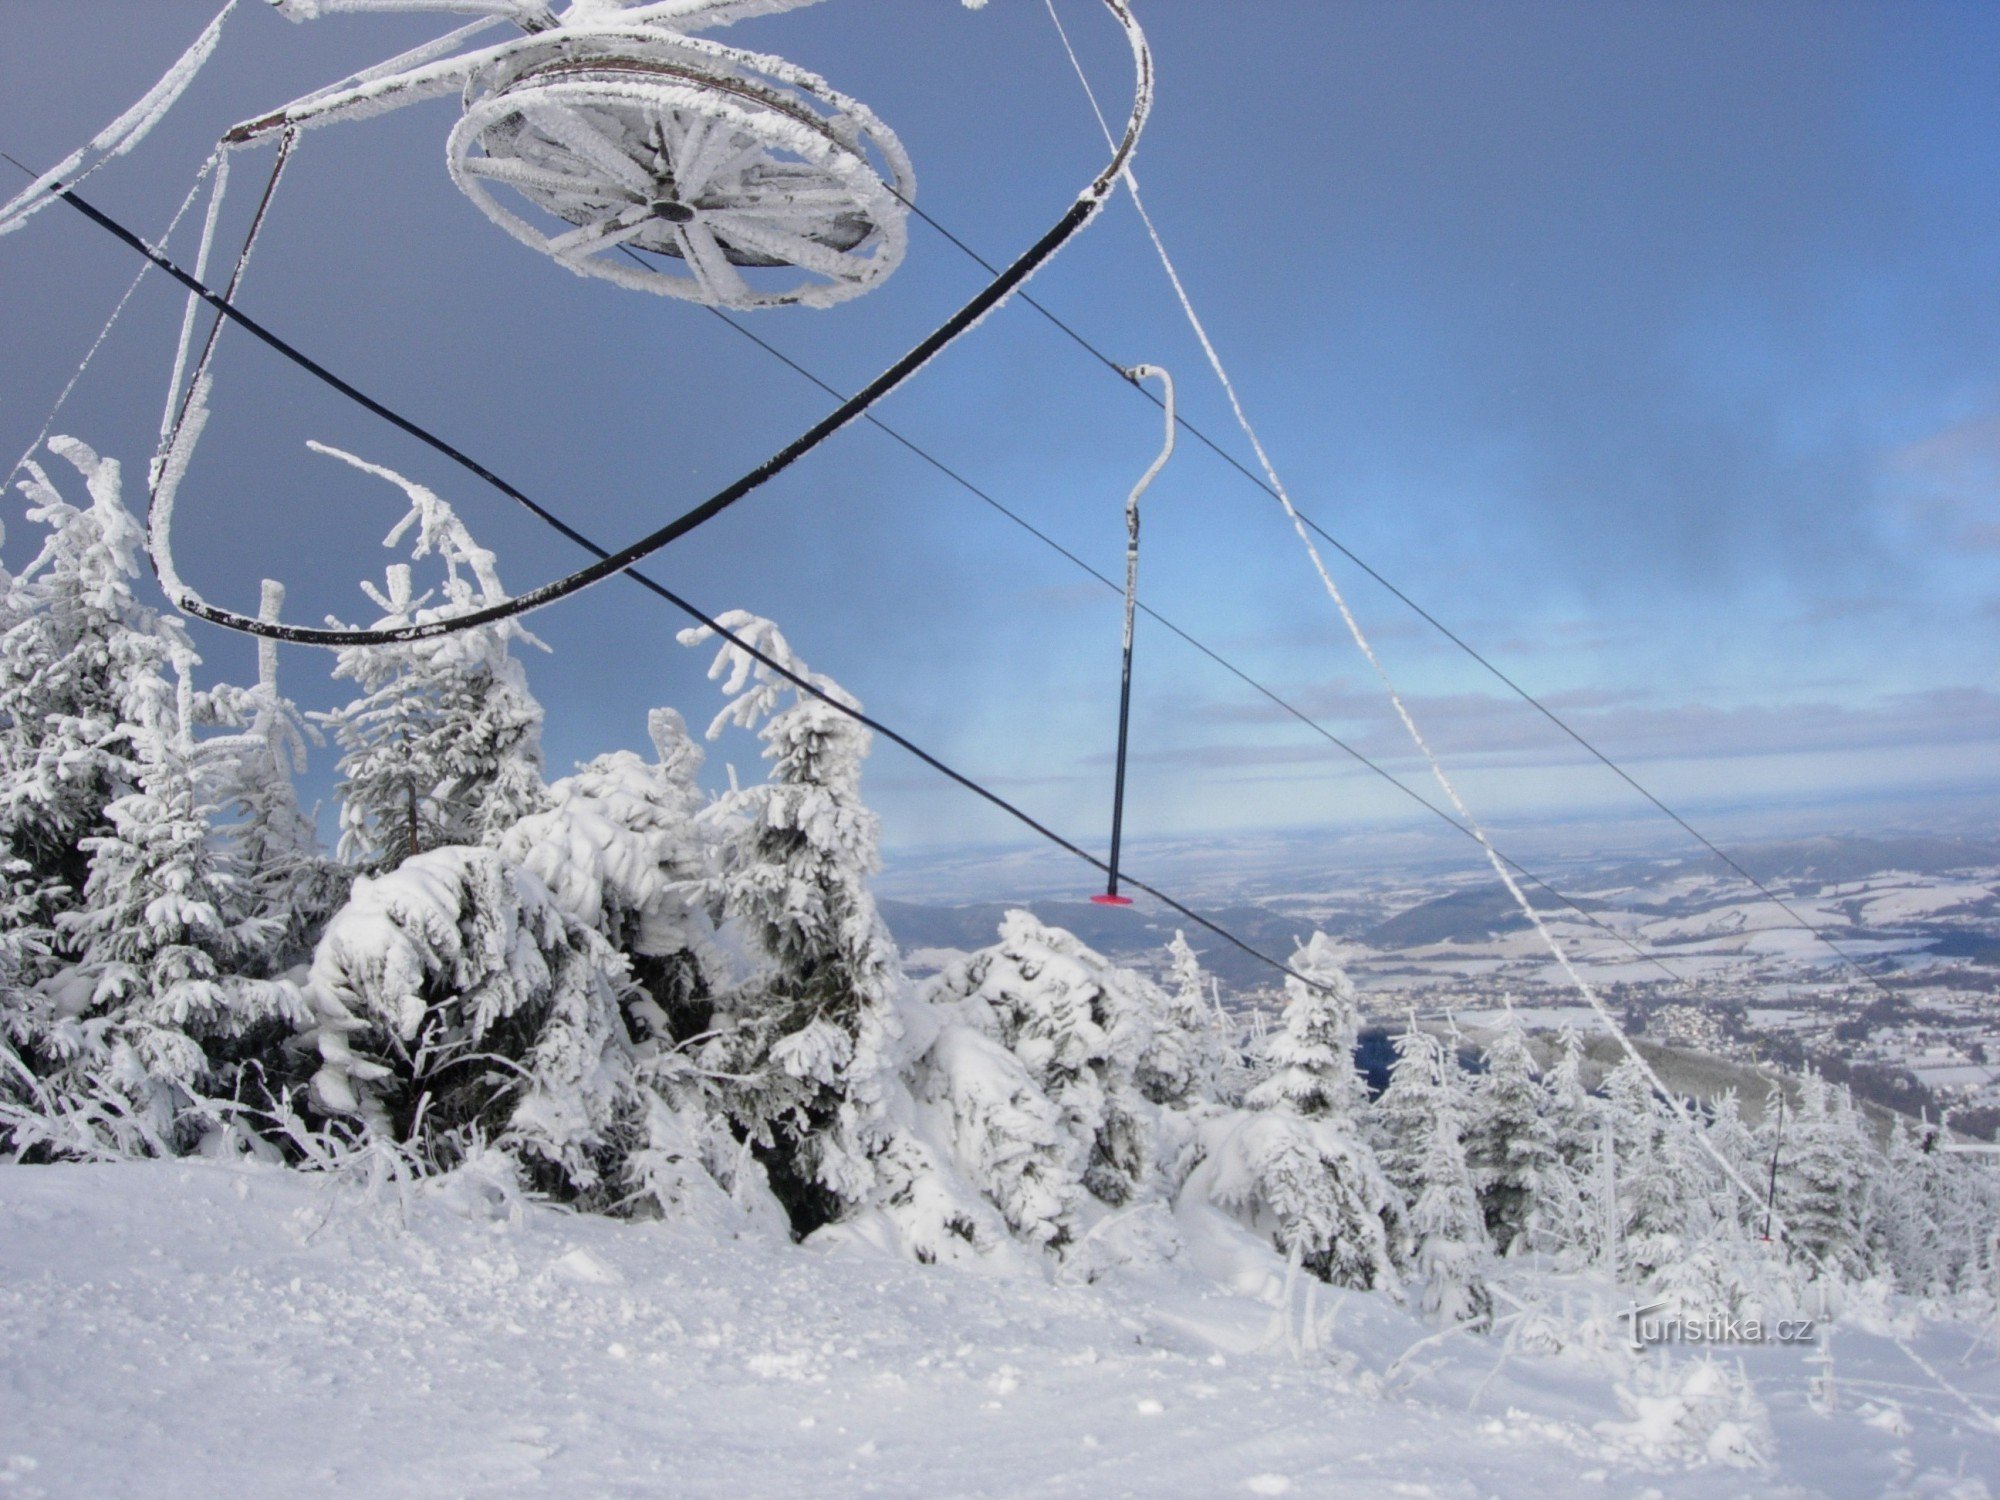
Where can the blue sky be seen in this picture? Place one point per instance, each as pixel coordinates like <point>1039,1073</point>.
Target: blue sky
<point>1655,348</point>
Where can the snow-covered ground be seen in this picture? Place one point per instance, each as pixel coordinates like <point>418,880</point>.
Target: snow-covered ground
<point>203,1329</point>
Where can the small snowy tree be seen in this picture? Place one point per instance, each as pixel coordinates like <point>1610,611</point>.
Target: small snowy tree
<point>1665,1197</point>
<point>1732,1139</point>
<point>1310,1059</point>
<point>458,1006</point>
<point>269,844</point>
<point>161,950</point>
<point>1572,1111</point>
<point>1510,1144</point>
<point>1911,1215</point>
<point>1183,1062</point>
<point>1822,1180</point>
<point>444,744</point>
<point>621,849</point>
<point>815,1038</point>
<point>1080,1027</point>
<point>1293,1165</point>
<point>1421,1117</point>
<point>1006,1136</point>
<point>75,638</point>
<point>1575,1182</point>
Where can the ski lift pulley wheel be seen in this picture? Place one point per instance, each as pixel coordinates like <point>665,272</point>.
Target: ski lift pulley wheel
<point>748,181</point>
<point>714,159</point>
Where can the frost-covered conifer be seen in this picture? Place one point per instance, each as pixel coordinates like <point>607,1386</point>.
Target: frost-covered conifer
<point>818,1034</point>
<point>1822,1169</point>
<point>1858,1143</point>
<point>457,1005</point>
<point>1310,1059</point>
<point>1732,1138</point>
<point>75,637</point>
<point>1645,1217</point>
<point>128,998</point>
<point>1293,1164</point>
<point>1574,1219</point>
<point>620,849</point>
<point>161,948</point>
<point>1510,1144</point>
<point>1914,1212</point>
<point>1182,1064</point>
<point>1572,1112</point>
<point>1735,1143</point>
<point>1665,1199</point>
<point>22,948</point>
<point>1962,1197</point>
<point>270,846</point>
<point>1080,1027</point>
<point>1006,1136</point>
<point>1422,1118</point>
<point>444,744</point>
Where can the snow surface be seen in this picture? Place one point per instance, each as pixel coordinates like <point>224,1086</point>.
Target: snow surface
<point>1922,901</point>
<point>201,1328</point>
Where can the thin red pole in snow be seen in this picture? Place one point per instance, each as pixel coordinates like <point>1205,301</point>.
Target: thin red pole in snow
<point>1136,374</point>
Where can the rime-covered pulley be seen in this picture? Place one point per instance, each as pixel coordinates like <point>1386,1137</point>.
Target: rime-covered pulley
<point>716,160</point>
<point>615,142</point>
<point>800,202</point>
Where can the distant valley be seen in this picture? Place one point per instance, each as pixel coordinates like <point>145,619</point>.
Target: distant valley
<point>1682,948</point>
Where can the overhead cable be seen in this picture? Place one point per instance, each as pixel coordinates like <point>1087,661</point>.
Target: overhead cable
<point>1487,664</point>
<point>1292,710</point>
<point>660,590</point>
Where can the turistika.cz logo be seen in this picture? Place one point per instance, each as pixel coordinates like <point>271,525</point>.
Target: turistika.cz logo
<point>1652,1324</point>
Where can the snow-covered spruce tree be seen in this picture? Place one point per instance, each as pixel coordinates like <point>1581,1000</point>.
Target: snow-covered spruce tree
<point>458,1005</point>
<point>1309,1061</point>
<point>1823,1162</point>
<point>1293,1164</point>
<point>1080,1026</point>
<point>23,948</point>
<point>1510,1143</point>
<point>140,1008</point>
<point>1571,1110</point>
<point>621,851</point>
<point>810,1047</point>
<point>75,637</point>
<point>1422,1117</point>
<point>1733,1141</point>
<point>1934,1215</point>
<point>1665,1190</point>
<point>271,848</point>
<point>1732,1208</point>
<point>1575,1218</point>
<point>1395,1121</point>
<point>1863,1151</point>
<point>444,744</point>
<point>1006,1135</point>
<point>1907,1231</point>
<point>620,848</point>
<point>161,938</point>
<point>1183,1063</point>
<point>1965,1198</point>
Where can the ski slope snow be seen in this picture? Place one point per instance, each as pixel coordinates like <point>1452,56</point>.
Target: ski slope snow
<point>192,1329</point>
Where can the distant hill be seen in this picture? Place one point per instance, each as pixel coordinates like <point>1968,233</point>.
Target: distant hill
<point>1463,917</point>
<point>1470,914</point>
<point>1832,859</point>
